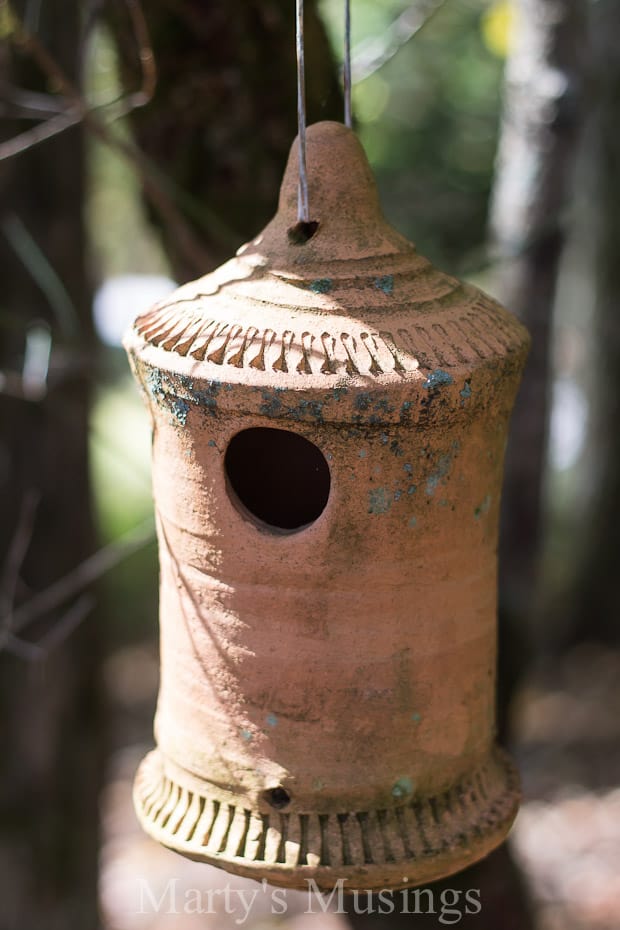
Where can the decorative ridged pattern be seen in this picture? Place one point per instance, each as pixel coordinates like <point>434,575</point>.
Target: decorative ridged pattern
<point>470,331</point>
<point>204,827</point>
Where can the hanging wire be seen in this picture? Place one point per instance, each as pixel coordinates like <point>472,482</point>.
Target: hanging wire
<point>303,209</point>
<point>346,71</point>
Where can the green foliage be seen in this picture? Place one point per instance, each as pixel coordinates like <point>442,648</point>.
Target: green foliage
<point>120,450</point>
<point>429,121</point>
<point>114,210</point>
<point>120,446</point>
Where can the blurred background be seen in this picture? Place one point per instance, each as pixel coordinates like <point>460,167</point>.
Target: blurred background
<point>140,145</point>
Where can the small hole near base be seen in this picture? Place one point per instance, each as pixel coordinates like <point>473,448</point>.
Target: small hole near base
<point>277,798</point>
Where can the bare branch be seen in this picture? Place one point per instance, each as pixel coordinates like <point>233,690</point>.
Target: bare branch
<point>57,635</point>
<point>18,548</point>
<point>12,385</point>
<point>63,628</point>
<point>94,119</point>
<point>42,272</point>
<point>81,577</point>
<point>374,53</point>
<point>39,133</point>
<point>21,648</point>
<point>146,56</point>
<point>30,103</point>
<point>123,104</point>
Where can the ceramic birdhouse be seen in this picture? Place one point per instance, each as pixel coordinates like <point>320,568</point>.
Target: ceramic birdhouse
<point>329,421</point>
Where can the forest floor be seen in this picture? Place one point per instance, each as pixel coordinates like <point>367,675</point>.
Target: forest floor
<point>566,840</point>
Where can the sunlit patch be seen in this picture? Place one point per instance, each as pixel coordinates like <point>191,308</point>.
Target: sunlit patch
<point>498,27</point>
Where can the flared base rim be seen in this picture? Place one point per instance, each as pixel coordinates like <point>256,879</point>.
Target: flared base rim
<point>408,845</point>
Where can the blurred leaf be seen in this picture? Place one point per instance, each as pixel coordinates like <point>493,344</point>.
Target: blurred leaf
<point>370,104</point>
<point>8,20</point>
<point>120,458</point>
<point>497,27</point>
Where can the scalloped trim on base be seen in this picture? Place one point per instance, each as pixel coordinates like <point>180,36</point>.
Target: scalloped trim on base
<point>404,846</point>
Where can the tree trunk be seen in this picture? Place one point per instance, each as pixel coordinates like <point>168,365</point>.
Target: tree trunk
<point>594,610</point>
<point>541,122</point>
<point>220,126</point>
<point>50,734</point>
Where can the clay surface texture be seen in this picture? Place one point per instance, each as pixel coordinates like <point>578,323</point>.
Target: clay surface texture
<point>329,423</point>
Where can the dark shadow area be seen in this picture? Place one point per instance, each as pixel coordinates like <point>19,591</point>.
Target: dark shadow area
<point>491,893</point>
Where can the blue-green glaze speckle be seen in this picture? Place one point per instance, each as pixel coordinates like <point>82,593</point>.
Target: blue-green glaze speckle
<point>437,378</point>
<point>153,380</point>
<point>321,285</point>
<point>207,397</point>
<point>272,402</point>
<point>439,473</point>
<point>484,507</point>
<point>179,409</point>
<point>379,500</point>
<point>186,382</point>
<point>177,393</point>
<point>403,788</point>
<point>385,283</point>
<point>305,409</point>
<point>383,406</point>
<point>162,390</point>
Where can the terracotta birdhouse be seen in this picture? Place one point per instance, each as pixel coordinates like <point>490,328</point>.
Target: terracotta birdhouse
<point>329,421</point>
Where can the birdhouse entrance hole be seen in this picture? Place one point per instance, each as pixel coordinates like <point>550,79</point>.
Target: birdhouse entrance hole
<point>277,476</point>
